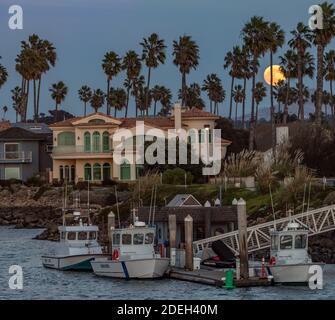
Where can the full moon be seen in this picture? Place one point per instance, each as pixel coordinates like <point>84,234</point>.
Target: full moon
<point>276,74</point>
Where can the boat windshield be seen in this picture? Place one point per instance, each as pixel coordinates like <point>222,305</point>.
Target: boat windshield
<point>286,242</point>
<point>274,243</point>
<point>300,241</point>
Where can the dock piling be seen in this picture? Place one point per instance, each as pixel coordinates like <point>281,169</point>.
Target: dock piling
<point>188,243</point>
<point>172,238</point>
<point>243,234</point>
<point>111,224</point>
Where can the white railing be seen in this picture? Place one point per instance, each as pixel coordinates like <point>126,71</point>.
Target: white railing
<point>76,149</point>
<point>16,156</point>
<point>316,221</point>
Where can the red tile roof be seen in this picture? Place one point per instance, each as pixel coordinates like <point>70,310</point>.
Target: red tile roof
<point>198,113</point>
<point>159,122</point>
<point>4,125</point>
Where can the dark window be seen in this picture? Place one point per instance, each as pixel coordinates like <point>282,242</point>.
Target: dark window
<point>116,238</point>
<point>82,236</point>
<point>126,239</point>
<point>286,242</point>
<point>300,241</point>
<point>71,236</point>
<point>92,235</point>
<point>149,238</point>
<point>138,238</point>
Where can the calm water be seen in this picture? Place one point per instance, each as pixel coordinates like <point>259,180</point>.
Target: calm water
<point>17,247</point>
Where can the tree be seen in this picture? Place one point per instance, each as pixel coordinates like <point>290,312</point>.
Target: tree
<point>153,53</point>
<point>3,75</point>
<point>279,93</point>
<point>85,94</point>
<point>97,100</point>
<point>118,99</point>
<point>321,38</point>
<point>18,102</point>
<point>210,85</point>
<point>111,65</point>
<point>132,64</point>
<point>58,92</point>
<point>238,95</point>
<point>300,42</point>
<point>186,58</point>
<point>254,35</point>
<point>137,88</point>
<point>275,39</point>
<point>165,102</point>
<point>156,96</point>
<point>330,74</point>
<point>259,94</point>
<point>4,110</point>
<point>192,96</point>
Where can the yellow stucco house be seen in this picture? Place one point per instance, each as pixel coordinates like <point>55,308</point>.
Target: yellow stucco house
<point>83,146</point>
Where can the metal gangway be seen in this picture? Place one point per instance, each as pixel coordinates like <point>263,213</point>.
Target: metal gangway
<point>317,221</point>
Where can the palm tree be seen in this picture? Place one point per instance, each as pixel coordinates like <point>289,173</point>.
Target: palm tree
<point>233,60</point>
<point>321,38</point>
<point>58,93</point>
<point>156,93</point>
<point>279,93</point>
<point>111,65</point>
<point>210,85</point>
<point>118,99</point>
<point>4,109</point>
<point>85,94</point>
<point>254,35</point>
<point>153,53</point>
<point>259,94</point>
<point>97,100</point>
<point>300,42</point>
<point>326,101</point>
<point>137,88</point>
<point>165,101</point>
<point>132,64</point>
<point>275,38</point>
<point>219,96</point>
<point>3,75</point>
<point>192,96</point>
<point>289,69</point>
<point>330,74</point>
<point>238,95</point>
<point>18,101</point>
<point>186,57</point>
<point>144,99</point>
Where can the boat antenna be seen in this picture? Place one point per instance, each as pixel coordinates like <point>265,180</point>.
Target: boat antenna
<point>88,201</point>
<point>303,200</point>
<point>117,206</point>
<point>309,198</point>
<point>151,200</point>
<point>273,210</point>
<point>154,210</point>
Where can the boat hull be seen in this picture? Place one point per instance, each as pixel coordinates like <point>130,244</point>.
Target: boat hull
<point>75,262</point>
<point>292,274</point>
<point>131,269</point>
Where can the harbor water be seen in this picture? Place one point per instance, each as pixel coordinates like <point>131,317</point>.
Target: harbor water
<point>18,248</point>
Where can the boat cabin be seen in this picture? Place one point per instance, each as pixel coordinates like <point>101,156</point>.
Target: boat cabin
<point>135,241</point>
<point>290,245</point>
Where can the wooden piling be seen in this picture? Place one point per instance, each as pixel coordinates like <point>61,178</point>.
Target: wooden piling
<point>172,238</point>
<point>111,225</point>
<point>243,234</point>
<point>188,243</point>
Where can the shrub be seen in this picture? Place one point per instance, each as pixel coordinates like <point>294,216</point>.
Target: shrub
<point>265,178</point>
<point>109,182</point>
<point>35,181</point>
<point>177,176</point>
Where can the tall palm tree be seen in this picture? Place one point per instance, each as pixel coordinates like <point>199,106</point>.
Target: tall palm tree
<point>111,65</point>
<point>192,96</point>
<point>289,68</point>
<point>165,102</point>
<point>4,110</point>
<point>326,101</point>
<point>254,34</point>
<point>186,58</point>
<point>156,93</point>
<point>18,101</point>
<point>259,95</point>
<point>275,38</point>
<point>321,38</point>
<point>132,64</point>
<point>118,99</point>
<point>137,88</point>
<point>279,93</point>
<point>85,94</point>
<point>219,96</point>
<point>233,61</point>
<point>300,42</point>
<point>210,85</point>
<point>97,100</point>
<point>3,75</point>
<point>238,95</point>
<point>58,92</point>
<point>153,53</point>
<point>330,74</point>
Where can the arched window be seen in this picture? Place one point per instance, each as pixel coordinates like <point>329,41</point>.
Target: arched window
<point>97,171</point>
<point>97,121</point>
<point>96,142</point>
<point>73,173</point>
<point>67,173</point>
<point>66,139</point>
<point>106,171</point>
<point>87,142</point>
<point>105,142</point>
<point>88,172</point>
<point>61,173</point>
<point>125,170</point>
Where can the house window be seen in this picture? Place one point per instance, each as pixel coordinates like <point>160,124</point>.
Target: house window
<point>106,171</point>
<point>96,141</point>
<point>67,173</point>
<point>208,133</point>
<point>97,171</point>
<point>105,142</point>
<point>125,170</point>
<point>73,173</point>
<point>12,173</point>
<point>87,142</point>
<point>66,139</point>
<point>192,135</point>
<point>48,148</point>
<point>88,172</point>
<point>97,121</point>
<point>11,150</point>
<point>61,173</point>
<point>201,136</point>
<point>139,170</point>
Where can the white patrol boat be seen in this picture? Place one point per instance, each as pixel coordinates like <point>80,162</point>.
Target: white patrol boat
<point>133,255</point>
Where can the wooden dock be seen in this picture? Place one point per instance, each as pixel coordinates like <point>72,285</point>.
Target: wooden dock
<point>214,277</point>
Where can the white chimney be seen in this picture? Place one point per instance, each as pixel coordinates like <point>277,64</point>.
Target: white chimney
<point>282,134</point>
<point>177,116</point>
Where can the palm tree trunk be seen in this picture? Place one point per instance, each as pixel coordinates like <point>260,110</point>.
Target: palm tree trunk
<point>85,108</point>
<point>155,107</point>
<point>231,96</point>
<point>301,112</point>
<point>272,111</point>
<point>243,102</point>
<point>236,114</point>
<point>27,98</point>
<point>38,95</point>
<point>211,105</point>
<point>256,117</point>
<point>331,97</point>
<point>35,102</point>
<point>319,84</point>
<point>147,93</point>
<point>183,89</point>
<point>252,116</point>
<point>126,111</point>
<point>107,100</point>
<point>285,115</point>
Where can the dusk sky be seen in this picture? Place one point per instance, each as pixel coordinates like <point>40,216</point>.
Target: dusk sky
<point>83,30</point>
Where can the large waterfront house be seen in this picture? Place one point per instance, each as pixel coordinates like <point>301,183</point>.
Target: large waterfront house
<point>25,151</point>
<point>83,146</point>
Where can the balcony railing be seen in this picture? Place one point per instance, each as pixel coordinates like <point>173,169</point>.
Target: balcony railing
<point>16,156</point>
<point>60,150</point>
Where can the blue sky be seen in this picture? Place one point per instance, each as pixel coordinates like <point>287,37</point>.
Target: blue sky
<point>83,30</point>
